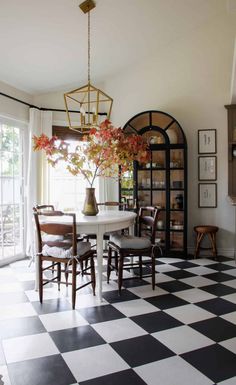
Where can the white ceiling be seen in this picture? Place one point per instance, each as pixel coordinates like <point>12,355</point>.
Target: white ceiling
<point>43,44</point>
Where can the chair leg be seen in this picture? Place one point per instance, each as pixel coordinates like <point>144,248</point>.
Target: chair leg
<point>199,239</point>
<point>120,272</point>
<point>116,262</point>
<point>66,274</point>
<point>153,273</point>
<point>109,264</point>
<point>140,260</point>
<point>40,280</point>
<point>93,274</point>
<point>59,275</point>
<point>73,283</point>
<point>213,244</point>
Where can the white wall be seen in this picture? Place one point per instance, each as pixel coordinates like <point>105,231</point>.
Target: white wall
<point>190,80</point>
<point>11,108</point>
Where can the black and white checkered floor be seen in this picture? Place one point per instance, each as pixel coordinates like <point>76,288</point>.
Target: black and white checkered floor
<point>183,333</point>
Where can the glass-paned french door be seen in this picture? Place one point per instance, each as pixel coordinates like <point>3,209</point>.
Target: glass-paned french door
<point>11,191</point>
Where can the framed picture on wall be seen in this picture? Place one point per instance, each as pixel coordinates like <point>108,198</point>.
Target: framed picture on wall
<point>207,141</point>
<point>207,168</point>
<point>207,195</point>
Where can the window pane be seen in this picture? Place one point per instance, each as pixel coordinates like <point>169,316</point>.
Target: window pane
<point>67,192</point>
<point>7,163</point>
<point>7,138</point>
<point>7,191</point>
<point>11,204</point>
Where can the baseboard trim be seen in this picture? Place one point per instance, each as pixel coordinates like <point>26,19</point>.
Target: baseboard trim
<point>226,252</point>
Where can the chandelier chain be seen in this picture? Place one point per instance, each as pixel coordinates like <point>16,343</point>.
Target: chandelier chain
<point>89,47</point>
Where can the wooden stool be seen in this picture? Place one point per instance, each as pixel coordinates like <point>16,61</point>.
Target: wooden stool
<point>201,232</point>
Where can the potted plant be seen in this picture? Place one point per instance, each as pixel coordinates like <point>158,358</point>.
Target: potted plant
<point>106,147</point>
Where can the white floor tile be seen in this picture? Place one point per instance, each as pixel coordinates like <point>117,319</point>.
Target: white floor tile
<point>17,310</point>
<point>230,381</point>
<point>203,261</point>
<point>231,283</point>
<point>229,344</point>
<point>5,376</point>
<point>62,320</point>
<point>51,293</point>
<point>109,286</point>
<point>230,297</point>
<point>165,268</point>
<point>135,307</point>
<point>200,270</point>
<point>10,287</point>
<point>28,276</point>
<point>182,339</point>
<point>160,278</point>
<point>189,313</point>
<point>198,281</point>
<point>87,300</point>
<point>194,295</point>
<point>231,272</point>
<point>28,347</point>
<point>6,271</point>
<point>117,330</point>
<point>171,371</point>
<point>146,291</point>
<point>231,317</point>
<point>169,260</point>
<point>231,263</point>
<point>94,362</point>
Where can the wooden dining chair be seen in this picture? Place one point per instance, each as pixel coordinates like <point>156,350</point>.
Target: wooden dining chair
<point>58,244</point>
<point>122,246</point>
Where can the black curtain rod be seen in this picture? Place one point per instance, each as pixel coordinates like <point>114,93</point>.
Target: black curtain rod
<point>42,108</point>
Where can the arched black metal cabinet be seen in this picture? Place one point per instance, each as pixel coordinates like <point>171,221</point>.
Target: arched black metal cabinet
<point>163,181</point>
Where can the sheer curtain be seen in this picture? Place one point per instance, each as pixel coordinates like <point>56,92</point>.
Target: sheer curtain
<point>37,171</point>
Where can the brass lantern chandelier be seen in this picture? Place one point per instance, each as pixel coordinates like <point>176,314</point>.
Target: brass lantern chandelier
<point>88,103</point>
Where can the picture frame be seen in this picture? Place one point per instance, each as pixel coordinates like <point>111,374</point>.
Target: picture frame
<point>207,168</point>
<point>207,141</point>
<point>207,195</point>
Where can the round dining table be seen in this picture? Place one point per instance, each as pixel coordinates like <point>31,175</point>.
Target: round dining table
<point>105,221</point>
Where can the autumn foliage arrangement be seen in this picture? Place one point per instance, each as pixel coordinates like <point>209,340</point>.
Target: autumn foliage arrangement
<point>105,151</point>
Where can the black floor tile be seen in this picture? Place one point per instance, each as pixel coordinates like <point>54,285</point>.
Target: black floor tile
<point>76,338</point>
<point>221,258</point>
<point>180,274</point>
<point>166,301</point>
<point>41,371</point>
<point>173,286</point>
<point>155,322</point>
<point>221,267</point>
<point>184,264</point>
<point>16,327</point>
<point>217,329</point>
<point>133,282</point>
<point>141,350</point>
<point>216,362</point>
<point>128,377</point>
<point>218,289</point>
<point>219,277</point>
<point>157,262</point>
<point>52,306</point>
<point>217,306</point>
<point>113,296</point>
<point>100,313</point>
